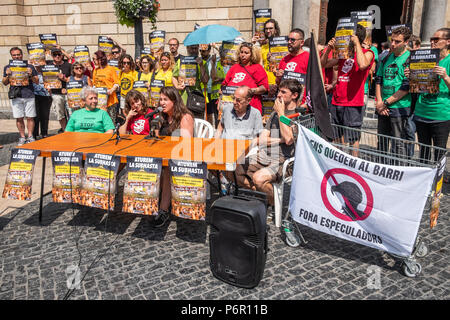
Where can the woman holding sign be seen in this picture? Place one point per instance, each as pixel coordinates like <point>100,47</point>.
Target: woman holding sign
<point>177,121</point>
<point>432,112</point>
<point>165,70</point>
<point>249,72</point>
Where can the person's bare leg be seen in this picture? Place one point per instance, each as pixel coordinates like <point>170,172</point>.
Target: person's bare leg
<point>30,126</point>
<point>355,150</point>
<point>63,123</point>
<point>263,181</point>
<point>242,179</point>
<point>21,126</point>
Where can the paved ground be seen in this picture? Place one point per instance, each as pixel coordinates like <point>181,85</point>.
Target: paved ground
<point>129,259</point>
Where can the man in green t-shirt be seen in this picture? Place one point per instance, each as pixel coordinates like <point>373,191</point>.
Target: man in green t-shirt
<point>90,118</point>
<point>392,92</point>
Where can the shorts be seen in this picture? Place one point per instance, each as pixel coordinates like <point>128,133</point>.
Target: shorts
<point>59,106</point>
<point>251,165</point>
<point>347,117</point>
<point>23,107</point>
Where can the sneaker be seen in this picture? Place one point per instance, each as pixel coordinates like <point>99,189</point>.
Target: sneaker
<point>161,219</point>
<point>30,139</point>
<point>22,141</point>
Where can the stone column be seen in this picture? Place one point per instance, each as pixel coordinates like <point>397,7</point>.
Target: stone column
<point>433,18</point>
<point>300,15</point>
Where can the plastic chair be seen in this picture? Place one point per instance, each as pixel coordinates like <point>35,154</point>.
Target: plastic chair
<point>203,129</point>
<point>278,191</point>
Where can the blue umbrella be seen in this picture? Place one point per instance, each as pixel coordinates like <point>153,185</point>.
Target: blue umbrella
<point>211,33</point>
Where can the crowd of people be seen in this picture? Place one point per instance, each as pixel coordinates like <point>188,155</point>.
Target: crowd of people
<point>253,74</point>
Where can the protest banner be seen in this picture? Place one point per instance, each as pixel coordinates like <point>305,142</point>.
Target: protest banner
<point>49,40</point>
<point>363,18</point>
<point>19,73</point>
<point>229,51</point>
<point>390,28</point>
<point>188,70</point>
<point>278,48</point>
<point>157,40</point>
<point>20,174</point>
<point>67,177</point>
<point>50,74</point>
<point>345,28</point>
<point>188,187</point>
<point>74,94</point>
<point>36,54</point>
<point>105,44</point>
<point>81,54</point>
<point>155,91</point>
<point>376,205</point>
<point>261,16</point>
<point>99,183</point>
<point>267,106</point>
<point>300,77</point>
<point>422,79</point>
<point>141,189</point>
<point>102,98</point>
<point>141,86</point>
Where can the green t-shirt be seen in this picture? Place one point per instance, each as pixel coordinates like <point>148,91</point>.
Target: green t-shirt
<point>375,53</point>
<point>436,106</point>
<point>392,73</point>
<point>84,120</point>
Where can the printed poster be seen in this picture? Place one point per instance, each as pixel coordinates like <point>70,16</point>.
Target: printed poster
<point>19,73</point>
<point>229,51</point>
<point>227,98</point>
<point>188,186</point>
<point>100,181</point>
<point>50,74</point>
<point>74,94</point>
<point>81,54</point>
<point>188,70</point>
<point>67,178</point>
<point>146,52</point>
<point>20,174</point>
<point>345,29</point>
<point>390,28</point>
<point>141,189</point>
<point>141,86</point>
<point>102,98</point>
<point>422,79</point>
<point>49,40</point>
<point>36,54</point>
<point>157,40</point>
<point>267,106</point>
<point>261,16</point>
<point>373,204</point>
<point>105,44</point>
<point>363,18</point>
<point>300,77</point>
<point>155,91</point>
<point>278,48</point>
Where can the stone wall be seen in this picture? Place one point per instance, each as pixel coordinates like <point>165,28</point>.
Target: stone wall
<point>80,22</point>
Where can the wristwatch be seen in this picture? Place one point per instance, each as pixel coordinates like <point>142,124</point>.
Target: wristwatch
<point>386,103</point>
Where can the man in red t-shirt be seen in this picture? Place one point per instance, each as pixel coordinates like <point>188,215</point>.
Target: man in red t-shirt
<point>297,59</point>
<point>348,96</point>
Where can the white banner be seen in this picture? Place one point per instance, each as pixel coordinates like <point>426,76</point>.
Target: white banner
<point>376,205</point>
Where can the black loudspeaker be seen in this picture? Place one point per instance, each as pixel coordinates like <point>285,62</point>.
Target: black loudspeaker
<point>238,238</point>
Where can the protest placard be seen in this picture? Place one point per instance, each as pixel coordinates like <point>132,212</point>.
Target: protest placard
<point>81,54</point>
<point>105,44</point>
<point>188,70</point>
<point>155,91</point>
<point>74,94</point>
<point>157,40</point>
<point>36,54</point>
<point>345,28</point>
<point>422,79</point>
<point>50,74</point>
<point>19,73</point>
<point>67,176</point>
<point>49,40</point>
<point>278,48</point>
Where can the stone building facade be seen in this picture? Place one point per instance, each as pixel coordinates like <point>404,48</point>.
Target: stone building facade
<point>79,22</point>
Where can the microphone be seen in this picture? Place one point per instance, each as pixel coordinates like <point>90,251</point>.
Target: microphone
<point>151,114</point>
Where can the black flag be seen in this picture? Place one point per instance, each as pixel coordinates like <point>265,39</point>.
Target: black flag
<point>316,98</point>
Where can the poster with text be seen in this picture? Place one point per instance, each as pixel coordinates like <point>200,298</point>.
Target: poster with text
<point>36,54</point>
<point>141,86</point>
<point>261,16</point>
<point>300,77</point>
<point>20,174</point>
<point>105,44</point>
<point>229,51</point>
<point>389,29</point>
<point>49,40</point>
<point>81,54</point>
<point>155,91</point>
<point>278,48</point>
<point>50,74</point>
<point>67,178</point>
<point>188,71</point>
<point>363,18</point>
<point>99,183</point>
<point>422,79</point>
<point>267,106</point>
<point>157,40</point>
<point>188,186</point>
<point>74,100</point>
<point>19,73</point>
<point>227,98</point>
<point>345,29</point>
<point>146,52</point>
<point>102,98</point>
<point>141,189</point>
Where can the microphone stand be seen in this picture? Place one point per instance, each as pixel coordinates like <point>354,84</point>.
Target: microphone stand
<point>118,137</point>
<point>154,125</point>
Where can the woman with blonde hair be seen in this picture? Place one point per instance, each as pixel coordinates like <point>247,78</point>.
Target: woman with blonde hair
<point>165,69</point>
<point>248,71</point>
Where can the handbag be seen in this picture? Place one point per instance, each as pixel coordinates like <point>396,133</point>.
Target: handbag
<point>196,102</point>
<point>14,92</point>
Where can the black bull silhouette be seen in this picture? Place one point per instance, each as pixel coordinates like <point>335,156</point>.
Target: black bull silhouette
<point>353,196</point>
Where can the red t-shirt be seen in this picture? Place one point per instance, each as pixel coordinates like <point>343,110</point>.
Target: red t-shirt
<point>328,72</point>
<point>139,125</point>
<point>349,90</point>
<point>298,63</point>
<point>254,77</point>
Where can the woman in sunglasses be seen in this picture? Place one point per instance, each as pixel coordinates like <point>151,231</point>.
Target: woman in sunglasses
<point>128,75</point>
<point>77,74</point>
<point>249,72</point>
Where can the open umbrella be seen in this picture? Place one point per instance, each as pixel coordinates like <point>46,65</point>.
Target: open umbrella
<point>211,33</point>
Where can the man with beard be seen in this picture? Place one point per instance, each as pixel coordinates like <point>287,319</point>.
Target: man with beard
<point>173,48</point>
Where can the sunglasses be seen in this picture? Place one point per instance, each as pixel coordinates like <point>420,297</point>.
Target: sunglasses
<point>56,54</point>
<point>78,68</point>
<point>293,40</point>
<point>115,52</point>
<point>437,39</point>
<point>126,62</point>
<point>247,44</point>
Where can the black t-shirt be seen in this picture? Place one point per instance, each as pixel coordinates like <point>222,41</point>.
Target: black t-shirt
<point>28,91</point>
<point>178,57</point>
<point>65,69</point>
